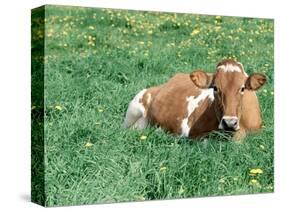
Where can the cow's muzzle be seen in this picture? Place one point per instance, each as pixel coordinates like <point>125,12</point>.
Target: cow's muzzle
<point>230,123</point>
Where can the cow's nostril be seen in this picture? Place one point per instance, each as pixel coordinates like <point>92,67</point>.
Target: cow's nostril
<point>234,122</point>
<point>224,123</point>
<point>229,123</point>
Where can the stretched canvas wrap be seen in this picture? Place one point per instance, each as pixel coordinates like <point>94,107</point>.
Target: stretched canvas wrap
<point>136,105</point>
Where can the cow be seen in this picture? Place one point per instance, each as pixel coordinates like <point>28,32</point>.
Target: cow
<point>192,105</point>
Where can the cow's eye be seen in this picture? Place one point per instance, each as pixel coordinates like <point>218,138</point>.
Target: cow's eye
<point>215,88</point>
<point>242,89</point>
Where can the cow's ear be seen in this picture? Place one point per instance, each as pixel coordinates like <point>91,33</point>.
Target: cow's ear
<point>255,81</point>
<point>201,79</point>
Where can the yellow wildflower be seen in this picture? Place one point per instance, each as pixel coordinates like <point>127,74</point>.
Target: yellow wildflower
<point>143,137</point>
<point>195,32</point>
<point>141,197</point>
<point>217,28</point>
<point>163,168</point>
<point>182,189</point>
<point>218,17</point>
<point>88,144</point>
<point>253,181</point>
<point>58,107</point>
<point>256,171</point>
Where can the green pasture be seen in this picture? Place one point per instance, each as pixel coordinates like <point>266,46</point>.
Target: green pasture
<point>96,60</point>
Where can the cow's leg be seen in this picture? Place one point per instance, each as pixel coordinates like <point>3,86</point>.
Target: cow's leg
<point>135,115</point>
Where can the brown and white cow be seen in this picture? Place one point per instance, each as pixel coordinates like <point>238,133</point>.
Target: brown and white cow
<point>197,103</point>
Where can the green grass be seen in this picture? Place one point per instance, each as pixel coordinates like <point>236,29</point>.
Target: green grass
<point>97,60</point>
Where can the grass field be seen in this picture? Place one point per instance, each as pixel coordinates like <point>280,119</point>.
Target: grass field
<point>97,60</point>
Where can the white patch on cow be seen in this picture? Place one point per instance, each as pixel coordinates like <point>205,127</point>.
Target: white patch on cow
<point>192,104</point>
<point>136,114</point>
<point>184,127</point>
<point>243,69</point>
<point>136,101</point>
<point>230,68</point>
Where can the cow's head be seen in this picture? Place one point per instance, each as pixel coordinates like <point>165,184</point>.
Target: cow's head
<point>229,83</point>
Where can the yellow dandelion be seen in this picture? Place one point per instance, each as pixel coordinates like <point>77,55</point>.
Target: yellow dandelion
<point>253,181</point>
<point>240,29</point>
<point>163,168</point>
<point>141,197</point>
<point>262,147</point>
<point>217,28</point>
<point>256,171</point>
<point>88,144</point>
<point>143,137</point>
<point>100,110</point>
<point>58,107</point>
<point>182,190</point>
<point>195,32</point>
<point>218,17</point>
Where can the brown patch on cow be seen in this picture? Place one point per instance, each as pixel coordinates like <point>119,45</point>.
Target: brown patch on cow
<point>169,106</point>
<point>204,114</point>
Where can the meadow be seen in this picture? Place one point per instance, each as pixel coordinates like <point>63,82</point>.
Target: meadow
<point>96,60</point>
